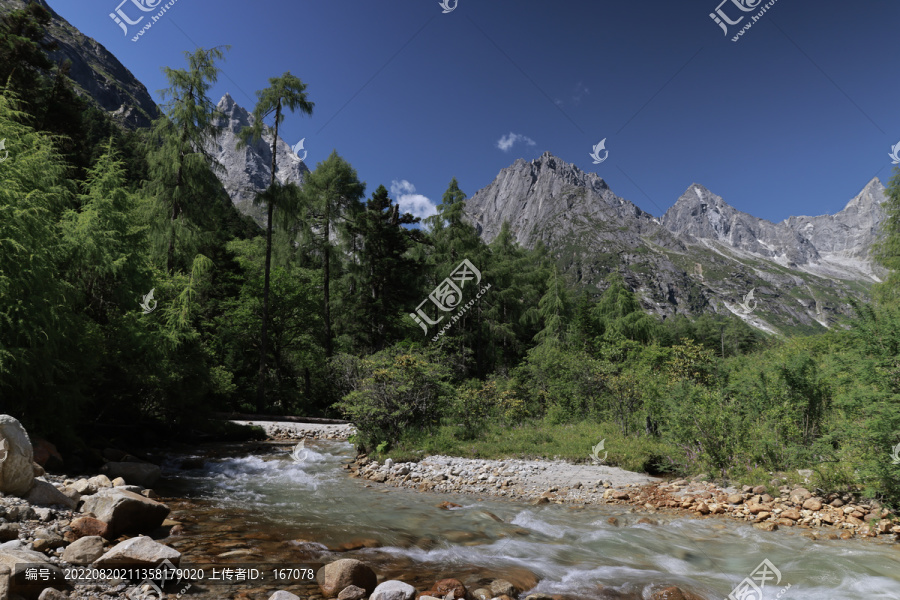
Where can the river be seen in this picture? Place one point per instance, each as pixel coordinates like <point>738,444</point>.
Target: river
<point>263,506</point>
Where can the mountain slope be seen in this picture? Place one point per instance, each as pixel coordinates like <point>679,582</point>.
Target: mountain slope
<point>701,256</point>
<point>97,74</point>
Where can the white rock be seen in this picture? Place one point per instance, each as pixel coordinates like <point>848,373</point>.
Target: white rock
<point>393,590</point>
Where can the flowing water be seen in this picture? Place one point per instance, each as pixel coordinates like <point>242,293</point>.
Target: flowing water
<point>260,502</point>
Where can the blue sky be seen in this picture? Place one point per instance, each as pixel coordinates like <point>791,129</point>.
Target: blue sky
<point>793,118</point>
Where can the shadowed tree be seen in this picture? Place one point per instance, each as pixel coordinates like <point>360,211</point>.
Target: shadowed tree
<point>181,136</point>
<point>284,93</point>
<point>330,198</point>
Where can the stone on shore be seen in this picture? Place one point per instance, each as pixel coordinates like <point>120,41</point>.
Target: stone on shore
<point>283,595</point>
<point>351,592</point>
<point>501,587</point>
<point>334,577</point>
<point>15,556</point>
<point>16,471</point>
<point>125,512</point>
<point>393,590</point>
<point>140,550</point>
<point>86,526</point>
<point>44,493</point>
<point>84,551</point>
<point>136,473</point>
<point>53,594</point>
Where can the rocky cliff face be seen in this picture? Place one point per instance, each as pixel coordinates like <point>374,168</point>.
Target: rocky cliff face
<point>97,74</point>
<point>249,170</point>
<point>702,255</point>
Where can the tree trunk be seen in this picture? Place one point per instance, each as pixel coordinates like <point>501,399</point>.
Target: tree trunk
<point>261,382</point>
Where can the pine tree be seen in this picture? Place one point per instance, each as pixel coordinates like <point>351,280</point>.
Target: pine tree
<point>179,161</point>
<point>330,199</point>
<point>285,92</point>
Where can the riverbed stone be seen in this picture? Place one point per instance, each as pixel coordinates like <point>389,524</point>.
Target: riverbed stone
<point>352,592</point>
<point>125,512</point>
<point>86,526</point>
<point>135,473</point>
<point>53,594</point>
<point>44,493</point>
<point>334,577</point>
<point>84,551</point>
<point>500,587</point>
<point>800,495</point>
<point>140,550</point>
<point>481,594</point>
<point>16,472</point>
<point>812,504</point>
<point>393,590</point>
<point>18,558</point>
<point>283,595</point>
<point>9,531</point>
<point>674,592</point>
<point>445,586</point>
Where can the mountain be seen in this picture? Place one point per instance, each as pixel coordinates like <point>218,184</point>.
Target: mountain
<point>97,74</point>
<point>249,170</point>
<point>702,255</point>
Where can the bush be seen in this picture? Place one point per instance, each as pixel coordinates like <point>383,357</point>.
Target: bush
<point>393,391</point>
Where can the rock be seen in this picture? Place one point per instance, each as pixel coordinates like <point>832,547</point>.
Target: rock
<point>702,508</point>
<point>139,550</point>
<point>813,504</point>
<point>766,526</point>
<point>83,486</point>
<point>792,513</point>
<point>837,503</point>
<point>646,521</point>
<point>481,594</point>
<point>44,493</point>
<point>100,481</point>
<point>16,472</point>
<point>45,540</point>
<point>388,463</point>
<point>84,551</point>
<point>445,586</point>
<point>760,489</point>
<point>800,495</point>
<point>393,590</point>
<point>139,473</point>
<point>9,531</point>
<point>117,482</point>
<point>448,505</point>
<point>37,470</point>
<point>88,526</point>
<point>500,587</point>
<point>283,595</point>
<point>335,576</point>
<point>43,514</point>
<point>735,499</point>
<point>674,593</point>
<point>53,594</point>
<point>613,521</point>
<point>46,455</point>
<point>125,512</point>
<point>351,592</point>
<point>17,559</point>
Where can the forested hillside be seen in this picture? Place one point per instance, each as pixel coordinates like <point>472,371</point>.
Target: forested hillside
<point>133,293</point>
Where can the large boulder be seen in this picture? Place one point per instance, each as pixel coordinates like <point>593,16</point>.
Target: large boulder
<point>140,550</point>
<point>18,558</point>
<point>334,577</point>
<point>393,590</point>
<point>45,494</point>
<point>125,512</point>
<point>135,473</point>
<point>84,551</point>
<point>16,456</point>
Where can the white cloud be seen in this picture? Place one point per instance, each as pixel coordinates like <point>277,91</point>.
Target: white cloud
<point>507,141</point>
<point>405,196</point>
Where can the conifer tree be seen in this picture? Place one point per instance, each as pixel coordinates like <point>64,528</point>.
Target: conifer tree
<point>330,199</point>
<point>284,93</point>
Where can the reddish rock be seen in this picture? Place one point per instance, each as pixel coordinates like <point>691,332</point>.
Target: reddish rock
<point>356,545</point>
<point>767,526</point>
<point>86,526</point>
<point>735,499</point>
<point>702,508</point>
<point>620,495</point>
<point>445,586</point>
<point>448,505</point>
<point>792,513</point>
<point>760,489</point>
<point>674,593</point>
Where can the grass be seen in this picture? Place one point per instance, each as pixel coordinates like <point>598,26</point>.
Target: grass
<point>540,439</point>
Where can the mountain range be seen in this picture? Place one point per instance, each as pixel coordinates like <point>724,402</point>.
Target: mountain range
<point>702,255</point>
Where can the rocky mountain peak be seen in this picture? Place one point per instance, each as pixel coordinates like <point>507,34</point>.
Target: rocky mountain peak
<point>248,171</point>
